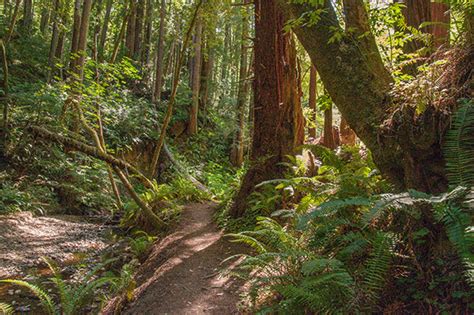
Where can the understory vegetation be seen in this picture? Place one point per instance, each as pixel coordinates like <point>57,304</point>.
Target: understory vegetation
<point>334,138</point>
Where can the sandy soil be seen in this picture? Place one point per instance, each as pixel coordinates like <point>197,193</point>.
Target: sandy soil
<point>24,239</point>
<point>183,273</point>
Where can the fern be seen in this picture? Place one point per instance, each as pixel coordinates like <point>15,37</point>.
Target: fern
<point>459,147</point>
<point>6,309</point>
<point>460,235</point>
<point>45,298</point>
<point>378,265</point>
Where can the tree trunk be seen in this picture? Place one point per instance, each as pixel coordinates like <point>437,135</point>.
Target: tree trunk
<point>13,20</point>
<point>27,16</point>
<point>329,138</point>
<point>104,30</point>
<point>313,96</point>
<point>196,79</point>
<point>405,147</point>
<point>237,152</point>
<point>139,30</point>
<point>76,30</point>
<point>45,15</point>
<point>279,127</point>
<point>54,39</point>
<point>441,17</point>
<point>160,55</point>
<point>131,25</point>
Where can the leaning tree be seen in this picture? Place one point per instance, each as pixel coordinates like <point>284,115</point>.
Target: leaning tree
<point>406,144</point>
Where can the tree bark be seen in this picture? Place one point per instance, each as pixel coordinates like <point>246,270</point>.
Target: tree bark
<point>237,152</point>
<point>313,96</point>
<point>27,16</point>
<point>11,27</point>
<point>196,79</point>
<point>131,25</point>
<point>279,126</point>
<point>104,30</point>
<point>160,55</point>
<point>329,138</point>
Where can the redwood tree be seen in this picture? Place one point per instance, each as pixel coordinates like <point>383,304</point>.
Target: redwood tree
<point>279,124</point>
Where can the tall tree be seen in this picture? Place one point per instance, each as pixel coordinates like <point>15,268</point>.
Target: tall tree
<point>313,95</point>
<point>237,152</point>
<point>160,55</point>
<point>196,78</point>
<point>279,125</point>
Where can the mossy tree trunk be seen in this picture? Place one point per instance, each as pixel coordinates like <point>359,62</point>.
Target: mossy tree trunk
<point>406,147</point>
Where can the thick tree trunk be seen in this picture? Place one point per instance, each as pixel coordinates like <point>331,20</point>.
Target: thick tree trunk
<point>406,147</point>
<point>441,17</point>
<point>196,79</point>
<point>279,126</point>
<point>313,95</point>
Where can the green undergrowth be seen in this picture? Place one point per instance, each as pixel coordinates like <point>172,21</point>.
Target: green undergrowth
<point>344,241</point>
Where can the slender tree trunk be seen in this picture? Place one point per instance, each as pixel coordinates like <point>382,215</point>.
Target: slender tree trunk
<point>5,87</point>
<point>196,79</point>
<point>120,36</point>
<point>13,20</point>
<point>174,90</point>
<point>313,95</point>
<point>146,52</point>
<point>45,15</point>
<point>160,55</point>
<point>76,29</point>
<point>104,30</point>
<point>279,126</point>
<point>54,39</point>
<point>131,30</point>
<point>237,152</point>
<point>27,16</point>
<point>139,21</point>
<point>329,139</point>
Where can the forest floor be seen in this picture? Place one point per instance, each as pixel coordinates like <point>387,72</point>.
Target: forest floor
<point>25,239</point>
<point>184,272</point>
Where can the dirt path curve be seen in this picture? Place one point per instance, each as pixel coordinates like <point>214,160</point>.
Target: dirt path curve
<point>182,275</point>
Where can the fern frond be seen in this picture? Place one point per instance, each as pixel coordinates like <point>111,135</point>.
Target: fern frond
<point>459,147</point>
<point>6,309</point>
<point>378,265</point>
<point>460,234</point>
<point>46,300</point>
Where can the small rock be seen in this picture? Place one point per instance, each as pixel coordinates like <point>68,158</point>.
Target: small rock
<point>17,291</point>
<point>11,292</point>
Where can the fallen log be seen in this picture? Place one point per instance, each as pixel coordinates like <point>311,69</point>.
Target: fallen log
<point>89,150</point>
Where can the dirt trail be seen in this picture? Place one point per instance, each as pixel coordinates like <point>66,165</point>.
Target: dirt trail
<point>182,275</point>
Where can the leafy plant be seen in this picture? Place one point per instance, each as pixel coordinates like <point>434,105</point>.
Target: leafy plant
<point>71,297</point>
